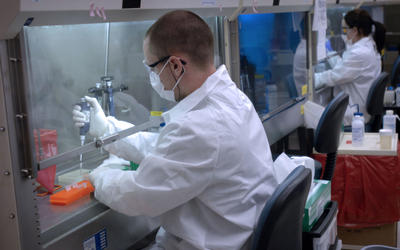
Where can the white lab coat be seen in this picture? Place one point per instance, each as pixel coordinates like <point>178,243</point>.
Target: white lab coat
<point>207,175</point>
<point>300,66</point>
<point>354,74</point>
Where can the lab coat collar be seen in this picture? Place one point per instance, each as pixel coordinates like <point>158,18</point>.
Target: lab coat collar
<point>190,101</point>
<point>362,42</point>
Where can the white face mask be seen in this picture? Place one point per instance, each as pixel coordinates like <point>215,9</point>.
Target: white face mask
<point>348,41</point>
<point>159,87</point>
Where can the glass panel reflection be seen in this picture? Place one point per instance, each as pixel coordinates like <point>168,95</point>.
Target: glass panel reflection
<point>272,58</point>
<point>63,62</point>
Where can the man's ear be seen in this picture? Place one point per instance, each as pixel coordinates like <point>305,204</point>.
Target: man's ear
<point>176,66</point>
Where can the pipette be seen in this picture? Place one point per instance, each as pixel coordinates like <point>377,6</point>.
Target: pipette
<point>85,109</point>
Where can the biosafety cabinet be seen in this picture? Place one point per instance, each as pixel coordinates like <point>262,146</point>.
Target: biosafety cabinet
<point>53,53</point>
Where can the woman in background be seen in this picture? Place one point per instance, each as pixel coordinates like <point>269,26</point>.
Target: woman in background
<point>360,64</point>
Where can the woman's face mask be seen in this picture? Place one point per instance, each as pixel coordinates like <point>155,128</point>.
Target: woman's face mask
<point>347,42</point>
<point>348,36</point>
<point>159,87</point>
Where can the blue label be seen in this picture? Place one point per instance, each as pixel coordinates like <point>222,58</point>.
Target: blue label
<point>97,242</point>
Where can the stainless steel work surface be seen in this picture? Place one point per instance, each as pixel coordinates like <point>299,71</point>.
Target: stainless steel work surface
<point>52,216</point>
<point>68,227</point>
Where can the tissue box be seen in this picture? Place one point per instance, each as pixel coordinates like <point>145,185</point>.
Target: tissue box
<point>317,199</point>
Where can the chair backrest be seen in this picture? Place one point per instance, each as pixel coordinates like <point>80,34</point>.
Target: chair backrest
<point>375,102</point>
<point>376,94</point>
<point>395,74</point>
<point>280,222</point>
<point>327,133</point>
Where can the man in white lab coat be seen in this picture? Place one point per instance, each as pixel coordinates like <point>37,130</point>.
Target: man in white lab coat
<point>360,64</point>
<point>209,171</point>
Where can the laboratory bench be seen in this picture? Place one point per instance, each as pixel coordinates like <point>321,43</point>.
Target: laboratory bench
<point>371,145</point>
<point>366,185</point>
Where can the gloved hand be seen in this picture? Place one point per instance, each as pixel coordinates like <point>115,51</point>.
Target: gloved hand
<point>328,46</point>
<point>317,81</point>
<point>95,174</point>
<point>333,58</point>
<point>98,121</point>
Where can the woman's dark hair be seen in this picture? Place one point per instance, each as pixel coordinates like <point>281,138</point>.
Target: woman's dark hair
<point>363,22</point>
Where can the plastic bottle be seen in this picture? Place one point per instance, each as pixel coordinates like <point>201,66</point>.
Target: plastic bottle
<point>389,97</point>
<point>389,121</point>
<point>357,129</point>
<point>397,91</point>
<point>361,116</point>
<point>362,119</point>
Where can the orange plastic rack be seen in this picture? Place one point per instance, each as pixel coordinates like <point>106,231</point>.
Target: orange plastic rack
<point>72,193</point>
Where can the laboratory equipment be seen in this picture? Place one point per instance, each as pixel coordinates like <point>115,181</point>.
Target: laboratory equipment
<point>389,121</point>
<point>85,109</point>
<point>398,95</point>
<point>97,91</point>
<point>389,97</point>
<point>108,102</point>
<point>357,129</point>
<point>104,93</point>
<point>110,99</point>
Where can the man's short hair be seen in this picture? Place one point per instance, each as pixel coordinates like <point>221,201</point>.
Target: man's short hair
<point>182,31</point>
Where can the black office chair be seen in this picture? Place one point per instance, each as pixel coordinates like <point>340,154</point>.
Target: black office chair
<point>395,74</point>
<point>327,133</point>
<point>280,223</point>
<point>375,102</point>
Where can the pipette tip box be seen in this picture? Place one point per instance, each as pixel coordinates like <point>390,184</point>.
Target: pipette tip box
<point>73,176</point>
